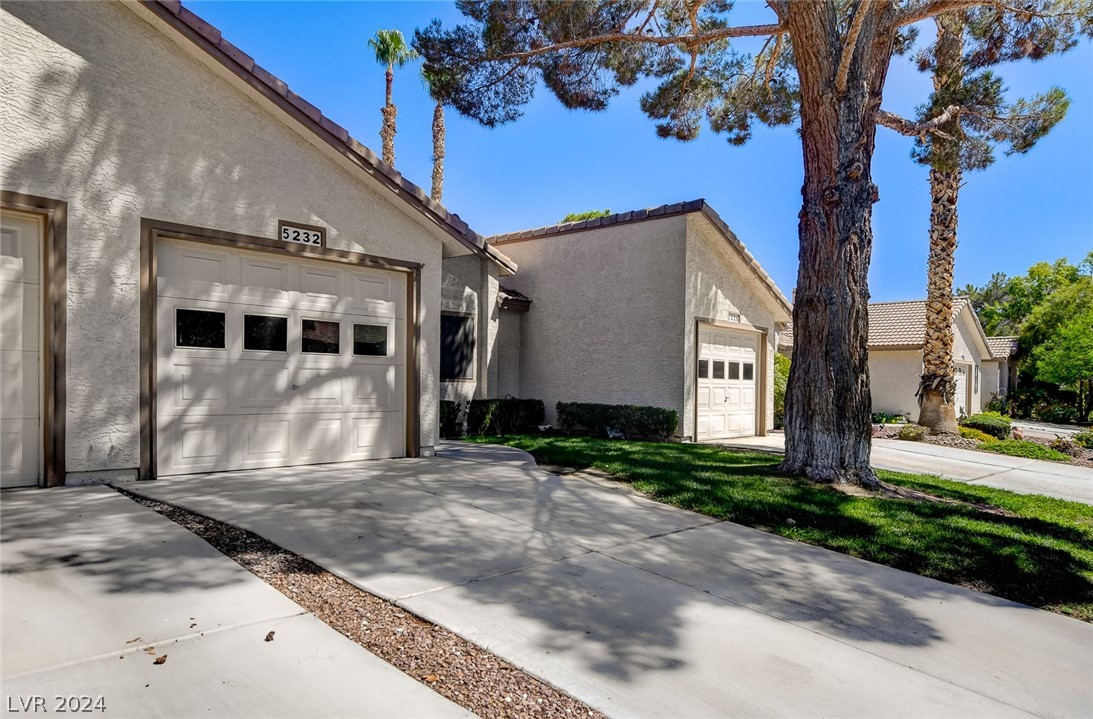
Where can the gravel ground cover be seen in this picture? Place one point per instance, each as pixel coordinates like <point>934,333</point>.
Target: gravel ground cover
<point>445,662</point>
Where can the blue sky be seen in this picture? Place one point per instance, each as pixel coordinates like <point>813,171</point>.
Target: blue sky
<point>1022,210</point>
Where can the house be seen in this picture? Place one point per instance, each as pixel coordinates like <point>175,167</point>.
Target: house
<point>1000,372</point>
<point>662,307</point>
<point>897,331</point>
<point>200,271</point>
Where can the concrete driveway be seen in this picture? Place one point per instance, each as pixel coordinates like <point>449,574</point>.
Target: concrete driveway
<point>643,610</point>
<point>1017,474</point>
<point>90,580</point>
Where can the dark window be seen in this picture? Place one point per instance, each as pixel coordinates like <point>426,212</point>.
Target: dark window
<point>370,340</point>
<point>703,369</point>
<point>198,328</point>
<point>734,370</point>
<point>265,333</point>
<point>456,347</point>
<point>749,370</point>
<point>718,370</point>
<point>320,337</point>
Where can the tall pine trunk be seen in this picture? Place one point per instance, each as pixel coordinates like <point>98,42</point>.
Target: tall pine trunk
<point>937,388</point>
<point>828,407</point>
<point>387,129</point>
<point>438,152</point>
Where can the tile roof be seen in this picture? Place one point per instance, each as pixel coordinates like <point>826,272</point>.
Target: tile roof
<point>902,324</point>
<point>508,299</point>
<point>654,213</point>
<point>208,38</point>
<point>1002,347</point>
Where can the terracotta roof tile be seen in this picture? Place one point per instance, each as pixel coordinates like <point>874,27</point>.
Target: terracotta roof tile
<point>897,324</point>
<point>1002,347</point>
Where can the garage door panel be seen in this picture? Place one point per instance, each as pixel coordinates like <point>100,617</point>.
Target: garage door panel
<point>263,402</point>
<point>726,396</point>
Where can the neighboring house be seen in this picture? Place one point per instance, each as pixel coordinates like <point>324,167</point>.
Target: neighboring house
<point>157,316</point>
<point>662,307</point>
<point>897,331</point>
<point>1000,373</point>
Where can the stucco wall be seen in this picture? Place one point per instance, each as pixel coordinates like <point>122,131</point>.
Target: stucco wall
<point>123,121</point>
<point>993,380</point>
<point>720,285</point>
<point>508,352</point>
<point>606,323</point>
<point>893,381</point>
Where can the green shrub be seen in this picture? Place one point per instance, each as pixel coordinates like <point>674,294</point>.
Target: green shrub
<point>977,435</point>
<point>1023,448</point>
<point>993,423</point>
<point>633,421</point>
<point>450,425</point>
<point>885,418</point>
<point>913,433</point>
<point>1084,438</point>
<point>1057,413</point>
<point>781,381</point>
<point>504,416</point>
<point>995,404</point>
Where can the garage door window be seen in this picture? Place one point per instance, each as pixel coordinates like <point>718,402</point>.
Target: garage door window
<point>319,337</point>
<point>718,370</point>
<point>749,371</point>
<point>734,370</point>
<point>370,340</point>
<point>456,347</point>
<point>199,329</point>
<point>262,333</point>
<point>703,369</point>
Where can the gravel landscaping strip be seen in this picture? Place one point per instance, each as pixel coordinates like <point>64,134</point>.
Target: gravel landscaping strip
<point>445,662</point>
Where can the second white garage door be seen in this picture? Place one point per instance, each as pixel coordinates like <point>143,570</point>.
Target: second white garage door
<point>264,360</point>
<point>727,382</point>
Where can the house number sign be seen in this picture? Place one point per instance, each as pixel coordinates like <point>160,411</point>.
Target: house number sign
<point>301,234</point>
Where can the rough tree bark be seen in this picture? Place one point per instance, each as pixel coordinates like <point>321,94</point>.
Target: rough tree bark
<point>937,388</point>
<point>438,152</point>
<point>387,129</point>
<point>828,405</point>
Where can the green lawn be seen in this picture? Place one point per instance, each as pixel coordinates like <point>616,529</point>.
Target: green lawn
<point>1035,550</point>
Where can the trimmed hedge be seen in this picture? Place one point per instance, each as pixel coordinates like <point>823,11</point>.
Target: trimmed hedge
<point>633,421</point>
<point>450,425</point>
<point>992,423</point>
<point>977,435</point>
<point>504,416</point>
<point>913,433</point>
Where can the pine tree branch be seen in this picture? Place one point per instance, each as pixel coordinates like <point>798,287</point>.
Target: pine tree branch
<point>688,42</point>
<point>925,10</point>
<point>851,41</point>
<point>920,129</point>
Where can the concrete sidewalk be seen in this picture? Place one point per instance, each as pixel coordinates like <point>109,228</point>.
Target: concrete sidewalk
<point>1017,474</point>
<point>644,610</point>
<point>91,579</point>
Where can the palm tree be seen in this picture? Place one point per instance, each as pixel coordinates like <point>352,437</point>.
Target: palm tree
<point>391,50</point>
<point>963,141</point>
<point>435,80</point>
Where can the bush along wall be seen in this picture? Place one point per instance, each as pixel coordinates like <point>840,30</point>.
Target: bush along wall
<point>633,421</point>
<point>992,423</point>
<point>504,416</point>
<point>451,425</point>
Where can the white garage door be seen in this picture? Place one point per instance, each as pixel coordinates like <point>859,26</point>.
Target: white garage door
<point>268,361</point>
<point>20,327</point>
<point>728,381</point>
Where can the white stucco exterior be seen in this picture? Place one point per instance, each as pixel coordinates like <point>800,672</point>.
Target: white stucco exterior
<point>894,373</point>
<point>616,310</point>
<point>106,108</point>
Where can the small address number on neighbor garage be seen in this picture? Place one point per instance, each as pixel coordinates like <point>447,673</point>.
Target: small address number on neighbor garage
<point>302,235</point>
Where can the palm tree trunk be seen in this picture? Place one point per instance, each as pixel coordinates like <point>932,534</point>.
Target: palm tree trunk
<point>387,130</point>
<point>438,152</point>
<point>936,390</point>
